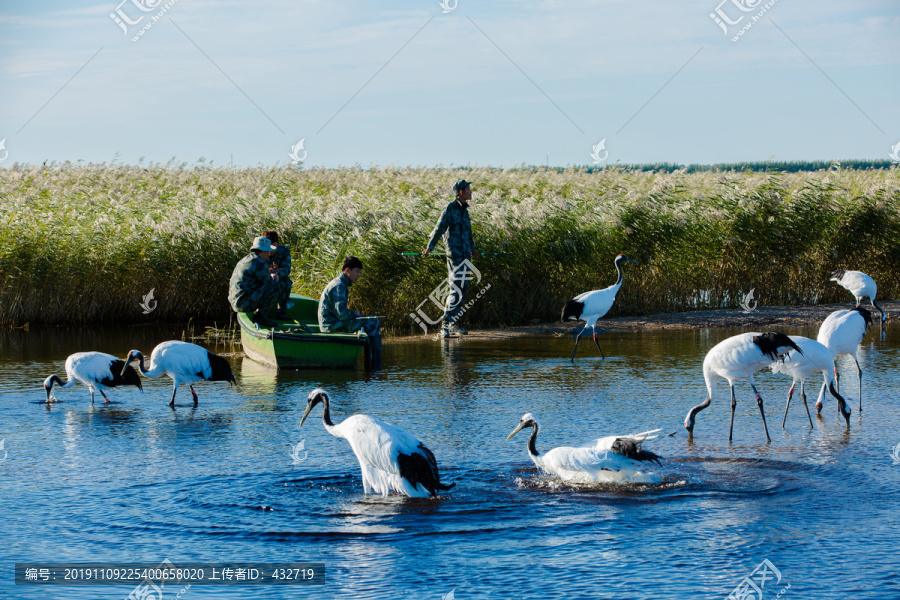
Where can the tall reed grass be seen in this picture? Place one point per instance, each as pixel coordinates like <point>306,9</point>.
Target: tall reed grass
<point>85,243</point>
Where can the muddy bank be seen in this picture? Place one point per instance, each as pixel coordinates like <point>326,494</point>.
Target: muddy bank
<point>764,317</point>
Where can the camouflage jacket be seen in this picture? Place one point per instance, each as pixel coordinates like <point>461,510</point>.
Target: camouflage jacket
<point>456,229</point>
<point>249,276</point>
<point>282,258</point>
<point>333,311</point>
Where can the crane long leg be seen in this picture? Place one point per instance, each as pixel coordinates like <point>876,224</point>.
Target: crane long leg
<point>594,329</point>
<point>172,402</point>
<point>859,373</point>
<point>105,399</point>
<point>193,393</point>
<point>803,395</point>
<point>837,377</point>
<point>733,405</point>
<point>577,337</point>
<point>786,406</point>
<point>759,403</point>
<point>92,397</point>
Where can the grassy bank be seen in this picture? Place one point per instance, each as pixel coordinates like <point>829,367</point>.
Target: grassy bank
<point>83,244</point>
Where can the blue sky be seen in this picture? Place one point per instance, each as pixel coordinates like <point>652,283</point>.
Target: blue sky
<point>501,83</point>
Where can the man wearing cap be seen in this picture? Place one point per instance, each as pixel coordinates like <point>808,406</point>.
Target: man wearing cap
<point>459,245</point>
<point>252,287</point>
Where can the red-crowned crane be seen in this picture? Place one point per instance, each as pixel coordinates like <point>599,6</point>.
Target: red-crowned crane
<point>841,332</point>
<point>591,306</point>
<point>815,357</point>
<point>389,457</point>
<point>95,370</point>
<point>860,285</point>
<point>739,357</point>
<point>612,454</point>
<point>184,363</point>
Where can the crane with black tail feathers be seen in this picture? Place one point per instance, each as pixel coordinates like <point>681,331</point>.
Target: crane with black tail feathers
<point>609,454</point>
<point>96,371</point>
<point>389,457</point>
<point>860,285</point>
<point>591,306</point>
<point>739,357</point>
<point>184,363</point>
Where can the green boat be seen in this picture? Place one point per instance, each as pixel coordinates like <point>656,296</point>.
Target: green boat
<point>297,343</point>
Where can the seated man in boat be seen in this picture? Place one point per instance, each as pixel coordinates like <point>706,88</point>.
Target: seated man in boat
<point>253,288</point>
<point>281,261</point>
<point>334,316</point>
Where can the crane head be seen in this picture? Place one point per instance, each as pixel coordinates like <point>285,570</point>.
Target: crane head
<point>622,257</point>
<point>48,385</point>
<point>527,420</point>
<point>315,397</point>
<point>133,355</point>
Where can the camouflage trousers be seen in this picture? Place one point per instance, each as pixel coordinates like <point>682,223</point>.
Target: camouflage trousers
<point>262,299</point>
<point>370,326</point>
<point>284,293</point>
<point>458,278</point>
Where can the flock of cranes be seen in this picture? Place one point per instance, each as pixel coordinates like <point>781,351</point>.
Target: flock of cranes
<point>392,459</point>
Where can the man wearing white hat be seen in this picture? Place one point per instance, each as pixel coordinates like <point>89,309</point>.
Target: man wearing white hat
<point>252,287</point>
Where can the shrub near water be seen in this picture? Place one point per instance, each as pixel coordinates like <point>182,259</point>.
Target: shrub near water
<point>84,244</point>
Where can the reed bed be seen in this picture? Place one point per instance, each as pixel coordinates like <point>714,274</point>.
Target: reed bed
<point>85,243</point>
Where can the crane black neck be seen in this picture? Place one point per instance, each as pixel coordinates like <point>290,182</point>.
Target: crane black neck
<point>326,413</point>
<point>532,441</point>
<point>619,270</point>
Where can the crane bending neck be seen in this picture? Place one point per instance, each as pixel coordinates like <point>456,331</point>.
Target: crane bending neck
<point>532,441</point>
<point>326,414</point>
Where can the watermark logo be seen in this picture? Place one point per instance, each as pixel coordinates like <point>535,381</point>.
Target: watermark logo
<point>450,596</point>
<point>751,588</point>
<point>449,5</point>
<point>295,453</point>
<point>130,14</point>
<point>6,152</point>
<point>449,294</point>
<point>5,453</point>
<point>149,590</point>
<point>895,152</point>
<point>745,303</point>
<point>596,153</point>
<point>737,27</point>
<point>894,455</point>
<point>149,304</point>
<point>296,159</point>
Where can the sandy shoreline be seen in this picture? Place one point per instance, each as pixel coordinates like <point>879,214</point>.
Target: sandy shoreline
<point>764,317</point>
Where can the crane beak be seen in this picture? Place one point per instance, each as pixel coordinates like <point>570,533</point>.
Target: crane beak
<point>515,431</point>
<point>128,360</point>
<point>309,408</point>
<point>47,389</point>
<point>632,260</point>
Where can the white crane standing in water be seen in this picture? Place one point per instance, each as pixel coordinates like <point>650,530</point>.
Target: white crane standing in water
<point>95,370</point>
<point>389,457</point>
<point>739,357</point>
<point>184,363</point>
<point>591,306</point>
<point>609,454</point>
<point>860,285</point>
<point>841,332</point>
<point>814,357</point>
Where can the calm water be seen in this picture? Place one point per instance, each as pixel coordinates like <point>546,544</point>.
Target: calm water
<point>137,481</point>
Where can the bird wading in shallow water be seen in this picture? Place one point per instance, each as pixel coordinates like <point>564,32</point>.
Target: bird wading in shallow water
<point>815,357</point>
<point>184,363</point>
<point>841,332</point>
<point>739,357</point>
<point>860,285</point>
<point>590,463</point>
<point>591,306</point>
<point>97,371</point>
<point>389,457</point>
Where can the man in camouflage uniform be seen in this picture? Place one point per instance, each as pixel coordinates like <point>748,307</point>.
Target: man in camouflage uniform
<point>252,287</point>
<point>281,261</point>
<point>334,316</point>
<point>459,245</point>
